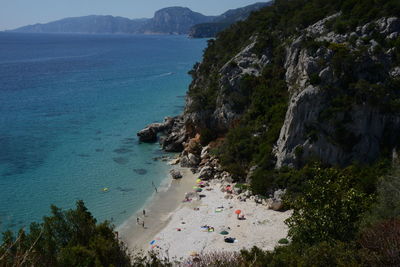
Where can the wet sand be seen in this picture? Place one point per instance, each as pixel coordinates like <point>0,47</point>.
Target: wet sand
<point>159,211</point>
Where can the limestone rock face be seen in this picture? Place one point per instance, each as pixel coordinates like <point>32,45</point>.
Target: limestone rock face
<point>193,159</point>
<point>369,125</point>
<point>175,136</point>
<point>246,62</point>
<point>206,173</point>
<point>305,132</point>
<point>313,126</point>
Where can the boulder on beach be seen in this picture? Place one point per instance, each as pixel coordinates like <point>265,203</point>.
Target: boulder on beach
<point>185,161</point>
<point>193,160</point>
<point>175,174</point>
<point>276,203</point>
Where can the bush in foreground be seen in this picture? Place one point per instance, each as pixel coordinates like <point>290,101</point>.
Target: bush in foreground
<point>66,238</point>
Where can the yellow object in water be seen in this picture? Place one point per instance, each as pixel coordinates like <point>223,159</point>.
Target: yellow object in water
<point>105,189</point>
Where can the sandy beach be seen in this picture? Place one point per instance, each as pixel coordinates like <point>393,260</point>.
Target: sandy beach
<point>175,229</point>
<point>159,210</point>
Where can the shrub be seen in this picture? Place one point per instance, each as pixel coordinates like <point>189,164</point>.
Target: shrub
<point>382,242</point>
<point>315,79</point>
<point>206,136</point>
<point>329,208</point>
<point>242,186</point>
<point>331,254</point>
<point>217,259</point>
<point>283,241</point>
<point>320,254</point>
<point>388,199</point>
<point>66,238</point>
<point>340,27</point>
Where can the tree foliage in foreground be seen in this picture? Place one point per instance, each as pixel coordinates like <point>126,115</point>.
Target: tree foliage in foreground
<point>66,238</point>
<point>329,209</point>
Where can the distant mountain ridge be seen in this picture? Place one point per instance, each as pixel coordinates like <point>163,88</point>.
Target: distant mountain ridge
<point>219,23</point>
<point>88,24</point>
<point>170,20</point>
<point>174,20</point>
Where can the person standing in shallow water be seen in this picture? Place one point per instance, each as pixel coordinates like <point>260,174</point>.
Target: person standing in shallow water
<point>155,187</point>
<point>144,212</point>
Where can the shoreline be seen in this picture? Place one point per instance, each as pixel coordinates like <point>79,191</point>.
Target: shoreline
<point>173,228</point>
<point>159,209</point>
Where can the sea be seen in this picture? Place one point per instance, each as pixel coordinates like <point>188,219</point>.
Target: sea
<point>70,108</point>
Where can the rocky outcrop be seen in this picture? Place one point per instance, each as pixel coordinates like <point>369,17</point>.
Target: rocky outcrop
<point>367,125</point>
<point>149,134</point>
<point>323,120</point>
<point>246,62</point>
<point>172,134</point>
<point>303,134</point>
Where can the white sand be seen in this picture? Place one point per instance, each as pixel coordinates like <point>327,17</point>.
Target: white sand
<point>159,210</point>
<point>262,227</point>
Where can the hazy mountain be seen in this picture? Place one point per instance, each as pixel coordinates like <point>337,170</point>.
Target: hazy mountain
<point>171,20</point>
<point>174,20</point>
<point>223,21</point>
<point>87,24</point>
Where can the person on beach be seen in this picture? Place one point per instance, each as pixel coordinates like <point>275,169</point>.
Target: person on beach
<point>144,213</point>
<point>137,220</point>
<point>155,187</point>
<point>143,223</point>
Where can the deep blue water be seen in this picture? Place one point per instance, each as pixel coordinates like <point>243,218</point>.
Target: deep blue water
<point>70,107</point>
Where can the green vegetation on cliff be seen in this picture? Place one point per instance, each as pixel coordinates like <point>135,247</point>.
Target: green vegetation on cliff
<point>343,215</point>
<point>263,100</point>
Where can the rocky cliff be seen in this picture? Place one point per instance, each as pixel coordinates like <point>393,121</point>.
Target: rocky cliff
<point>357,131</point>
<point>341,86</point>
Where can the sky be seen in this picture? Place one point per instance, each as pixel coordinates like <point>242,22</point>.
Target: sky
<point>16,13</point>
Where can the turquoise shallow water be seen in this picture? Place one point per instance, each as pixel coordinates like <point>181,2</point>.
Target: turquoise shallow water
<point>70,107</point>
